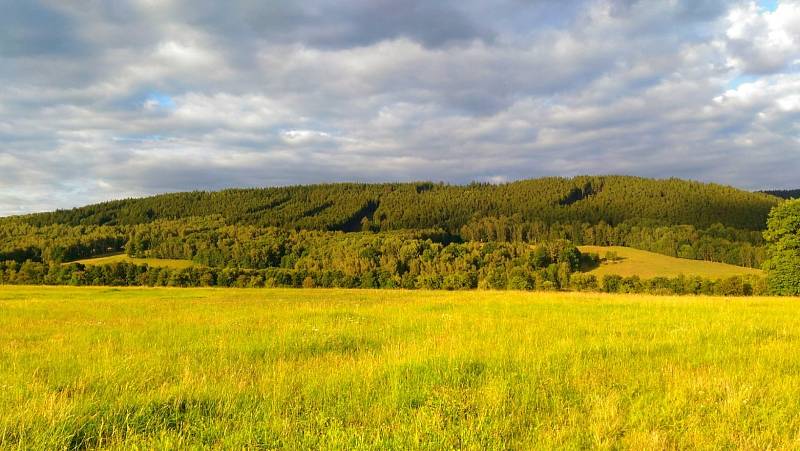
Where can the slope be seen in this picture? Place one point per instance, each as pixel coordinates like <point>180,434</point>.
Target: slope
<point>588,199</point>
<point>123,258</point>
<point>635,262</point>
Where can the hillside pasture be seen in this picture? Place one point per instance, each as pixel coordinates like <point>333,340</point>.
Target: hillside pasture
<point>363,369</point>
<point>124,258</point>
<point>635,262</point>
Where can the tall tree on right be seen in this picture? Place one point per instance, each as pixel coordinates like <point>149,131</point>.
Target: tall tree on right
<point>783,238</point>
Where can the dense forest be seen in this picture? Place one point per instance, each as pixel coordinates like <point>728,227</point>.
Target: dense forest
<point>380,207</point>
<point>784,194</point>
<point>409,235</point>
<point>363,260</point>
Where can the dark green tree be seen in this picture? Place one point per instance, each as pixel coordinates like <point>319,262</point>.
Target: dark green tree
<point>783,238</point>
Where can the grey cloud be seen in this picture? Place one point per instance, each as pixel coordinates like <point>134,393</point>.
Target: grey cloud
<point>335,24</point>
<point>32,28</point>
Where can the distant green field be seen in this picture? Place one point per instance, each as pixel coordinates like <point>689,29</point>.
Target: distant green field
<point>361,369</point>
<point>117,258</point>
<point>646,265</point>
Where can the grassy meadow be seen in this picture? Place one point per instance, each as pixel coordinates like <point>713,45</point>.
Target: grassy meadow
<point>636,262</point>
<point>349,369</point>
<point>124,258</point>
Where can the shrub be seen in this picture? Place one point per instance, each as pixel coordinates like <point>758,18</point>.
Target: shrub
<point>611,283</point>
<point>583,282</point>
<point>612,256</point>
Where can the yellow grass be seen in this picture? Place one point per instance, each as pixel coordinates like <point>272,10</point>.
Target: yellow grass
<point>164,368</point>
<point>646,265</point>
<point>118,258</point>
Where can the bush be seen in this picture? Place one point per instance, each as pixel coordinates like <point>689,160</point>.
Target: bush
<point>632,284</point>
<point>733,286</point>
<point>458,281</point>
<point>612,256</point>
<point>519,282</point>
<point>583,282</point>
<point>590,260</point>
<point>612,283</point>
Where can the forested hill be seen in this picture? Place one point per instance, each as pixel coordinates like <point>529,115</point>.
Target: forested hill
<point>785,194</point>
<point>349,207</point>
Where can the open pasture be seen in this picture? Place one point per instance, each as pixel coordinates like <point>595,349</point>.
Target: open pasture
<point>636,262</point>
<point>124,258</point>
<point>181,368</point>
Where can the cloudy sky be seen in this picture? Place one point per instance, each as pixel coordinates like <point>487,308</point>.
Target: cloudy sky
<point>109,99</point>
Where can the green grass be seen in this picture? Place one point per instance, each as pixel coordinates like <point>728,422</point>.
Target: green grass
<point>119,258</point>
<point>338,369</point>
<point>647,265</point>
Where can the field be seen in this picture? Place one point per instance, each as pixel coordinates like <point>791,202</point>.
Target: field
<point>635,262</point>
<point>339,369</point>
<point>118,258</point>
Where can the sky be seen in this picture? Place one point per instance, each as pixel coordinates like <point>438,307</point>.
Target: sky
<point>110,99</point>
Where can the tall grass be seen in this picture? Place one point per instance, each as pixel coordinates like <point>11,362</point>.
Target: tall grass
<point>182,368</point>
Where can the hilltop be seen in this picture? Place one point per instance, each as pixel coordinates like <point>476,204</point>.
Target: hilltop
<point>392,206</point>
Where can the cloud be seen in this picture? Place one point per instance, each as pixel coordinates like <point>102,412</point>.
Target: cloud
<point>763,41</point>
<point>138,97</point>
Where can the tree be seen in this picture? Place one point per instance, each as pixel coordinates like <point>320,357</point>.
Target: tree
<point>783,245</point>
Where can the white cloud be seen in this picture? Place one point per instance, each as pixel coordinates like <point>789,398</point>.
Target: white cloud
<point>763,41</point>
<point>134,98</point>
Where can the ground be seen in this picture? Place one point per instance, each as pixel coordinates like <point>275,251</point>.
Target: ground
<point>117,258</point>
<point>348,369</point>
<point>635,262</point>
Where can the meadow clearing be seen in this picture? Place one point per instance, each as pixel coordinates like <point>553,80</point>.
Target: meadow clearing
<point>124,258</point>
<point>331,369</point>
<point>636,262</point>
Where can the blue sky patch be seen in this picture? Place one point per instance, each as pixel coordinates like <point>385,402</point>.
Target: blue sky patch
<point>162,100</point>
<point>740,80</point>
<point>768,5</point>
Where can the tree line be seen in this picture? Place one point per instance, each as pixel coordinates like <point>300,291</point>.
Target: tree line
<point>514,277</point>
<point>210,241</point>
<point>422,205</point>
<point>348,261</point>
<point>784,193</point>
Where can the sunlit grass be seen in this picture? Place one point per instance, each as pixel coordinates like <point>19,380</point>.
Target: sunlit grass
<point>635,262</point>
<point>177,368</point>
<point>124,258</point>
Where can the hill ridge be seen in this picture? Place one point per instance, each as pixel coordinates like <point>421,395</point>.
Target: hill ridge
<point>413,205</point>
